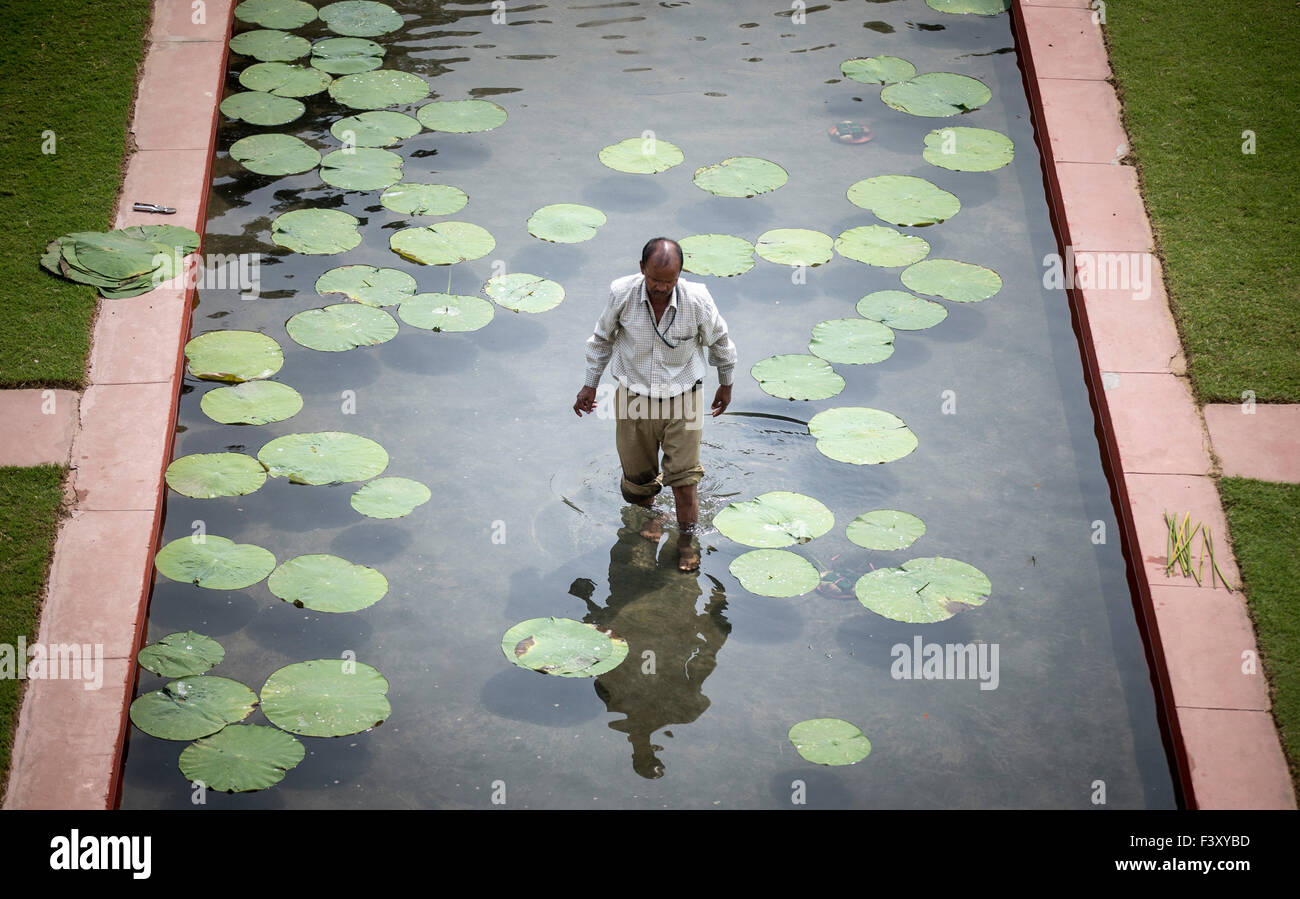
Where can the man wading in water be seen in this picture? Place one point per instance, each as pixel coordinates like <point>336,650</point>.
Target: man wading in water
<point>656,328</point>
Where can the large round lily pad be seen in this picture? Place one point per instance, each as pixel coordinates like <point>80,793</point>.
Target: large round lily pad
<point>390,497</point>
<point>241,758</point>
<point>885,529</point>
<point>974,7</point>
<point>274,154</point>
<point>795,246</point>
<point>445,243</point>
<point>377,128</point>
<point>276,13</point>
<point>968,149</point>
<point>775,519</point>
<point>774,572</point>
<point>361,168</point>
<point>182,654</point>
<point>878,69</point>
<point>270,45</point>
<point>192,707</point>
<point>326,698</point>
<point>346,55</point>
<point>360,18</point>
<point>316,232</point>
<point>523,292</point>
<point>565,222</point>
<point>904,199</point>
<point>741,176</point>
<point>937,94</point>
<point>829,741</point>
<point>563,647</point>
<point>323,457</point>
<point>251,403</point>
<point>716,254</point>
<point>378,89</point>
<point>217,563</point>
<point>923,591</point>
<point>207,475</point>
<point>641,155</point>
<point>233,356</point>
<point>446,312</point>
<point>285,79</point>
<point>901,311</point>
<point>325,583</point>
<point>861,436</point>
<point>367,284</point>
<point>960,282</point>
<point>424,199</point>
<point>878,245</point>
<point>343,326</point>
<point>796,376</point>
<point>854,341</point>
<point>261,108</point>
<point>460,116</point>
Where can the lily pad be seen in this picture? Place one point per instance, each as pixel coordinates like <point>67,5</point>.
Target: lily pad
<point>923,591</point>
<point>316,232</point>
<point>904,199</point>
<point>367,284</point>
<point>217,563</point>
<point>878,245</point>
<point>524,293</point>
<point>563,647</point>
<point>284,79</point>
<point>361,168</point>
<point>968,149</point>
<point>379,128</point>
<point>233,356</point>
<point>446,312</point>
<point>829,741</point>
<point>901,310</point>
<point>716,254</point>
<point>797,377</point>
<point>878,69</point>
<point>741,176</point>
<point>325,583</point>
<point>461,116</point>
<point>276,13</point>
<point>251,403</point>
<point>960,282</point>
<point>192,707</point>
<point>445,243</point>
<point>885,529</point>
<point>270,45</point>
<point>274,154</point>
<point>326,698</point>
<point>378,89</point>
<point>565,222</point>
<point>346,55</point>
<point>241,758</point>
<point>937,94</point>
<point>854,341</point>
<point>641,156</point>
<point>390,497</point>
<point>323,457</point>
<point>360,18</point>
<point>206,475</point>
<point>775,572</point>
<point>795,246</point>
<point>861,436</point>
<point>261,108</point>
<point>181,654</point>
<point>410,198</point>
<point>775,519</point>
<point>343,326</point>
<point>975,7</point>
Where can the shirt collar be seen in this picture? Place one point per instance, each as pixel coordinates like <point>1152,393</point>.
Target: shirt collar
<point>672,297</point>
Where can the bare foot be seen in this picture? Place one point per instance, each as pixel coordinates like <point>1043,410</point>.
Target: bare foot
<point>688,555</point>
<point>654,528</point>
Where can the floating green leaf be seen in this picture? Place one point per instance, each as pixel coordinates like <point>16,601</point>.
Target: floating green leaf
<point>960,282</point>
<point>270,45</point>
<point>878,245</point>
<point>217,563</point>
<point>251,403</point>
<point>445,243</point>
<point>347,56</point>
<point>861,436</point>
<point>641,156</point>
<point>460,116</point>
<point>901,311</point>
<point>524,293</point>
<point>565,222</point>
<point>774,572</point>
<point>885,529</point>
<point>274,154</point>
<point>878,69</point>
<point>325,583</point>
<point>390,497</point>
<point>797,377</point>
<point>716,254</point>
<point>233,356</point>
<point>775,519</point>
<point>563,647</point>
<point>324,457</point>
<point>968,149</point>
<point>361,168</point>
<point>181,655</point>
<point>316,232</point>
<point>445,312</point>
<point>829,741</point>
<point>380,88</point>
<point>326,698</point>
<point>379,128</point>
<point>904,199</point>
<point>855,341</point>
<point>360,18</point>
<point>192,707</point>
<point>276,13</point>
<point>261,108</point>
<point>937,94</point>
<point>794,246</point>
<point>367,284</point>
<point>205,475</point>
<point>410,198</point>
<point>241,758</point>
<point>923,591</point>
<point>284,79</point>
<point>343,326</point>
<point>976,7</point>
<point>741,176</point>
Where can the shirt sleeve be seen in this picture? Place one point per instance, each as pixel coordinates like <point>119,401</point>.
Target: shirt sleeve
<point>722,352</point>
<point>600,345</point>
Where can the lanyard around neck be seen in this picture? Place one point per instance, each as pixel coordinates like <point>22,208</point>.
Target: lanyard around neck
<point>651,312</point>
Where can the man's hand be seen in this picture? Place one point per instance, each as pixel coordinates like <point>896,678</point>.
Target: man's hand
<point>721,400</point>
<point>586,401</point>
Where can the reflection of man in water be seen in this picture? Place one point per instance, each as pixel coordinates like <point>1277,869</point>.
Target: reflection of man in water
<point>656,327</point>
<point>654,608</point>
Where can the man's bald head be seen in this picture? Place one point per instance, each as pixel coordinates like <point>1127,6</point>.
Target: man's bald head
<point>662,252</point>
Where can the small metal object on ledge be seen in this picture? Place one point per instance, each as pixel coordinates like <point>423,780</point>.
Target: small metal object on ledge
<point>153,207</point>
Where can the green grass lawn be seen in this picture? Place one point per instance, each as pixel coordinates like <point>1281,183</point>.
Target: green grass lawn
<point>66,67</point>
<point>30,500</point>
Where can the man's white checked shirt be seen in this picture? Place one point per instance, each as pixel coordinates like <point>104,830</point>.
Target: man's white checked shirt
<point>643,361</point>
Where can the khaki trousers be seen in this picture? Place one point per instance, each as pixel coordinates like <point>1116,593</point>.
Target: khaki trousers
<point>643,426</point>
